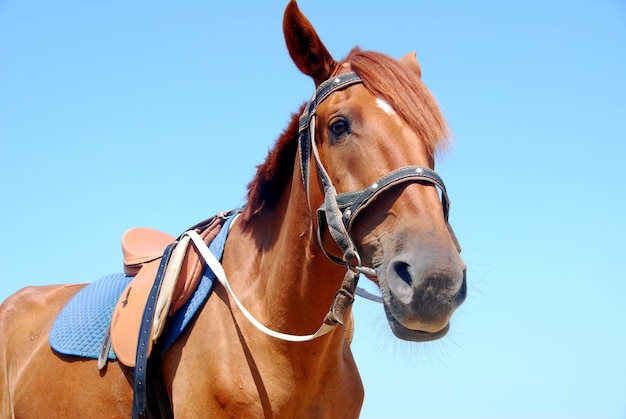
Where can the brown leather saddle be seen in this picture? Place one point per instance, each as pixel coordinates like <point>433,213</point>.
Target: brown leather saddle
<point>143,250</point>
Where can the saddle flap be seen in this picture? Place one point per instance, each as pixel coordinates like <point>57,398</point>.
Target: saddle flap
<point>141,245</point>
<point>128,314</point>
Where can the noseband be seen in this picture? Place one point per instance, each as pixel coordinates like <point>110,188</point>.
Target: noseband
<point>339,211</point>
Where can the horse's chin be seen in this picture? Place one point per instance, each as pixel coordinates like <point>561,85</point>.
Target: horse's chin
<point>411,335</point>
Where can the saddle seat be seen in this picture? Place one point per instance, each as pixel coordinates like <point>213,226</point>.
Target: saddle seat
<point>143,249</point>
<point>141,245</point>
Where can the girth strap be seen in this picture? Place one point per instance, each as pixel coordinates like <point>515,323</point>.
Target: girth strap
<point>145,337</point>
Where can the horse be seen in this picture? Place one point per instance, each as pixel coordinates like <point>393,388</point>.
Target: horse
<point>348,190</point>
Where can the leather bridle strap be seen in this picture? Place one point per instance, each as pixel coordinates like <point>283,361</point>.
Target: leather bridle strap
<point>307,120</point>
<point>352,203</point>
<point>404,174</point>
<point>338,212</point>
<point>308,147</point>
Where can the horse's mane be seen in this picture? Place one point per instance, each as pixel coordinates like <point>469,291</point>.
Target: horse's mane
<point>387,78</point>
<point>402,88</point>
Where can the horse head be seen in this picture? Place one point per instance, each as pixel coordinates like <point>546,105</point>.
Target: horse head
<point>368,140</point>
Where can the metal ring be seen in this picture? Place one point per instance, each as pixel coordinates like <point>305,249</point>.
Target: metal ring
<point>356,255</point>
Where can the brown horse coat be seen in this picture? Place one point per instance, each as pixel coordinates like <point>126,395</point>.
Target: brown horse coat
<point>222,366</point>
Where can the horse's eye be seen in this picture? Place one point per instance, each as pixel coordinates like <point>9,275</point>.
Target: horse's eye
<point>339,128</point>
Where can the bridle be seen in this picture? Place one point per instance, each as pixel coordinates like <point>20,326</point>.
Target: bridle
<point>338,212</point>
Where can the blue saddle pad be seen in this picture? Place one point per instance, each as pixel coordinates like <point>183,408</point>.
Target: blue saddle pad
<point>80,327</point>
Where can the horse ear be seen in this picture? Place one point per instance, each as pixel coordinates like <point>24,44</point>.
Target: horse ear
<point>305,47</point>
<point>410,60</point>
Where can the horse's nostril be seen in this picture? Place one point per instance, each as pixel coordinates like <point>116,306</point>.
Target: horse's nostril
<point>401,282</point>
<point>402,270</point>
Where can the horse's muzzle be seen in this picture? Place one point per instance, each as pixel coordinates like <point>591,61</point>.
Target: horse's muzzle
<point>421,292</point>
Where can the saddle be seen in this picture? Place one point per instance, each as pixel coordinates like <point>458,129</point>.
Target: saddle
<point>167,268</point>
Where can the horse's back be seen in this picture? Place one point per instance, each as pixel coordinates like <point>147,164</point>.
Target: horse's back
<point>34,380</point>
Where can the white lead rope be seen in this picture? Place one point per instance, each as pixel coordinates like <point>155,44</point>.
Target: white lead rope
<point>217,269</point>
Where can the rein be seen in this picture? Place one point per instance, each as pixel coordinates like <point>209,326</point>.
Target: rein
<point>218,270</point>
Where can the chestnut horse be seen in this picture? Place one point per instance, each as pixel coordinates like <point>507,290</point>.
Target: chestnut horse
<point>362,150</point>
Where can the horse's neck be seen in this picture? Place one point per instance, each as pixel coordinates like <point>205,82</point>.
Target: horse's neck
<point>281,271</point>
<point>282,278</point>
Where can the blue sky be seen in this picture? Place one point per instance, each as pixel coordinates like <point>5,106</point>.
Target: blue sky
<point>119,114</point>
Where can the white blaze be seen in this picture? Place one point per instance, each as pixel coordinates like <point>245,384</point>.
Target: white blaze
<point>385,106</point>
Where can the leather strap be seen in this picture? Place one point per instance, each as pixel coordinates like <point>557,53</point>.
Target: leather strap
<point>404,174</point>
<point>103,357</point>
<point>343,299</point>
<point>145,338</point>
<point>352,203</point>
<point>307,119</point>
